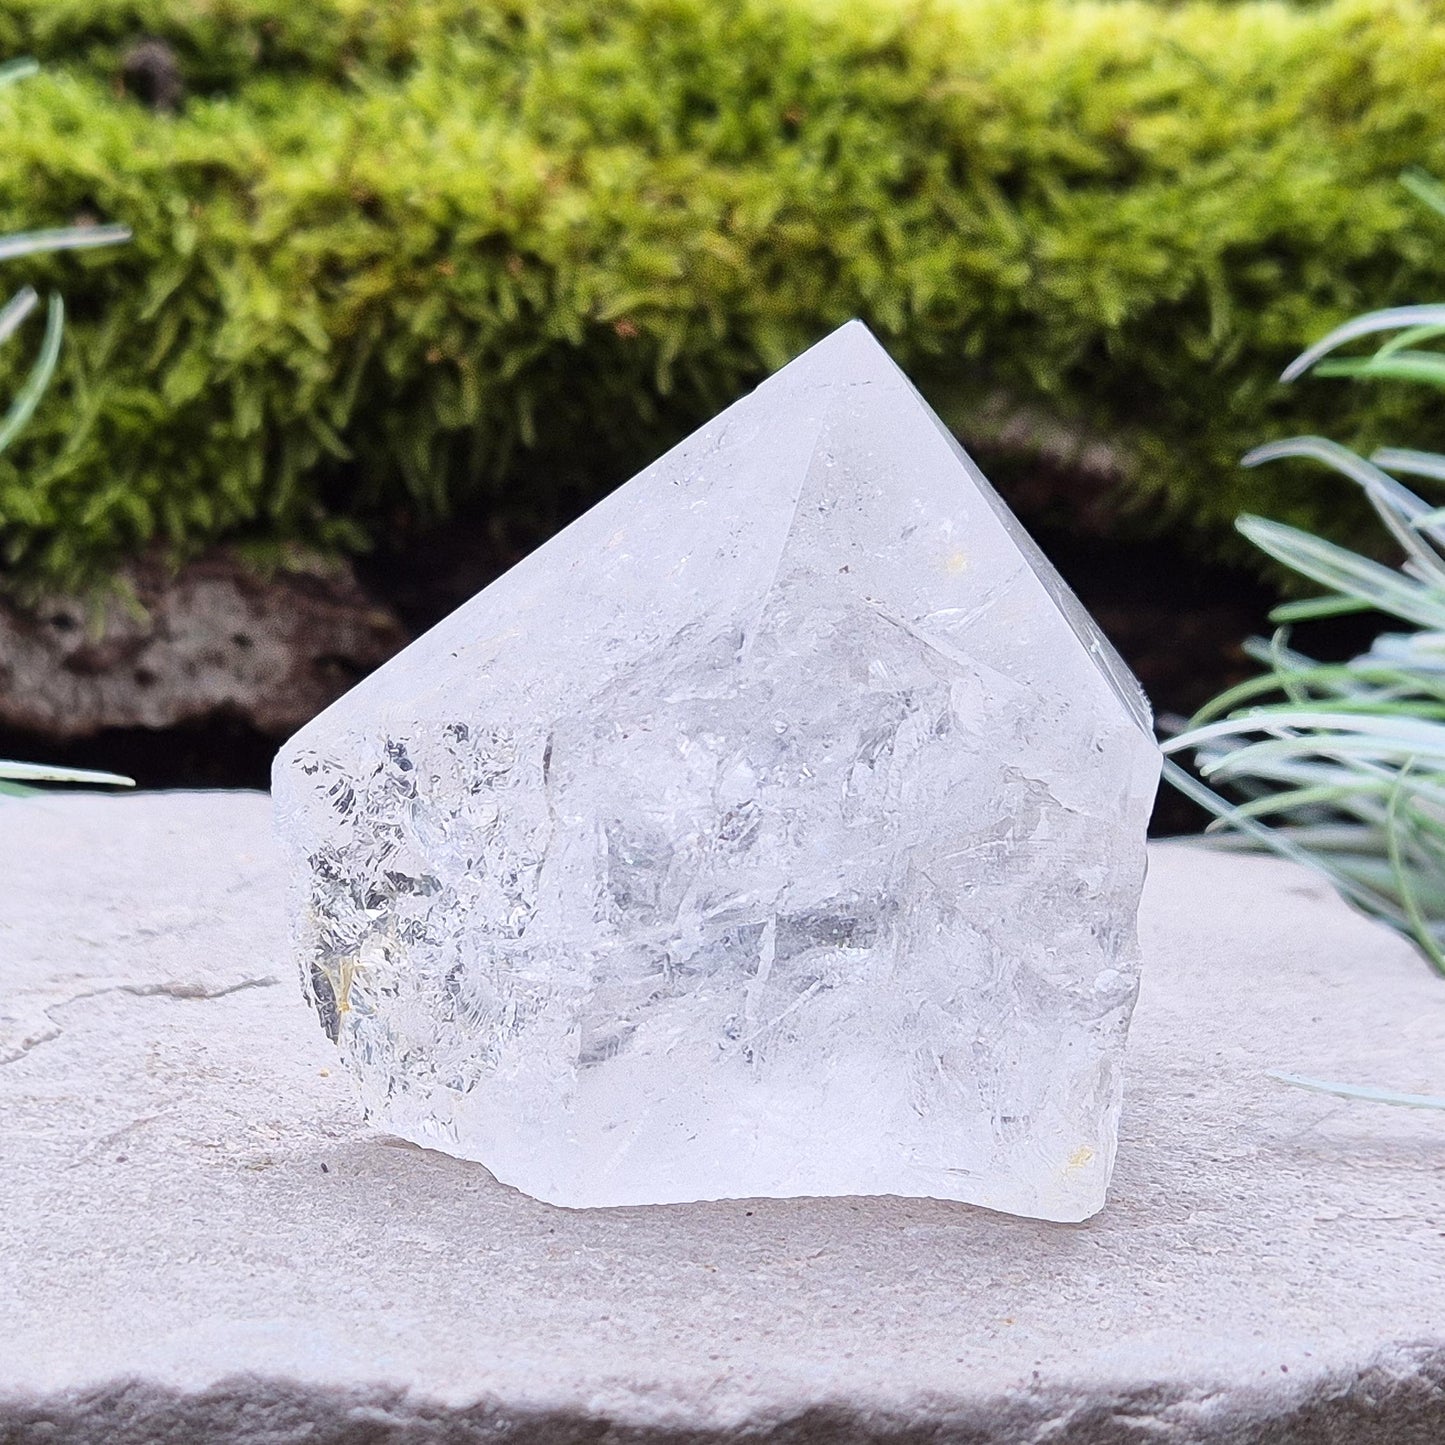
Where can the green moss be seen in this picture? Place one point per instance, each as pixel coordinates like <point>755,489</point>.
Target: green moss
<point>390,258</point>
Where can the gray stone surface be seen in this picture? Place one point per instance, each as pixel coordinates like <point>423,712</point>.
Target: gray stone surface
<point>198,1241</point>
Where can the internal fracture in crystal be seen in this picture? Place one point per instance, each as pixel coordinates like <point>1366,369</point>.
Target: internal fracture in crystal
<point>776,829</point>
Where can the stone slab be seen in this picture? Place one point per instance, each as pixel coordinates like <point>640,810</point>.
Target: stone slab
<point>199,1240</point>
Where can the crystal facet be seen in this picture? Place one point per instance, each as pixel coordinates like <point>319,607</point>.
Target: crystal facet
<point>776,829</point>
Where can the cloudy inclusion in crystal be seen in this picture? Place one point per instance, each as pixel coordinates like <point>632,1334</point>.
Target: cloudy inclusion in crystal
<point>776,829</point>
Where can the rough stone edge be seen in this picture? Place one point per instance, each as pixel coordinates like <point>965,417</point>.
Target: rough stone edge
<point>216,639</point>
<point>1397,1399</point>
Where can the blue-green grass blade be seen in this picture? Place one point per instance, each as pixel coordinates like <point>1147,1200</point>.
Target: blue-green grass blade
<point>1426,367</point>
<point>1396,840</point>
<point>1359,800</point>
<point>1418,540</point>
<point>1273,839</point>
<point>1393,318</point>
<point>1348,841</point>
<point>1376,876</point>
<point>68,238</point>
<point>1266,649</point>
<point>1411,462</point>
<point>1347,572</point>
<point>1338,679</point>
<point>46,773</point>
<point>1339,746</point>
<point>1342,460</point>
<point>1349,705</point>
<point>15,310</point>
<point>1353,797</point>
<point>1408,340</point>
<point>1405,731</point>
<point>1424,187</point>
<point>1307,609</point>
<point>1397,506</point>
<point>1367,1092</point>
<point>21,69</point>
<point>1286,675</point>
<point>28,397</point>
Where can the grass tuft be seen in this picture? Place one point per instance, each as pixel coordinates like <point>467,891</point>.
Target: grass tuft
<point>14,777</point>
<point>1341,766</point>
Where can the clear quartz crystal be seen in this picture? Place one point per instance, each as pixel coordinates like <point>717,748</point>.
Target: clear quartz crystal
<point>776,829</point>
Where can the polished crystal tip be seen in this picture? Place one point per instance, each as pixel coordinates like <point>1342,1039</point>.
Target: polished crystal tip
<point>775,829</point>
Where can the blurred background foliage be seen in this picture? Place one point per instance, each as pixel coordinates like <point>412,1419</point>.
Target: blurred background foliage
<point>393,259</point>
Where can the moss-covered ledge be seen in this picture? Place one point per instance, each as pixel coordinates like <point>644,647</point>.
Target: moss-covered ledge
<point>390,259</point>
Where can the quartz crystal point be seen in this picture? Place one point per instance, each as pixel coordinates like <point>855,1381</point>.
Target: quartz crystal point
<point>776,829</point>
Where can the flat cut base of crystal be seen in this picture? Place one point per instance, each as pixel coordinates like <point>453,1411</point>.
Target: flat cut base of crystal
<point>776,829</point>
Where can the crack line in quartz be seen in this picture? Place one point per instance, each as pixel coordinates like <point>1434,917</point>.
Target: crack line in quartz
<point>751,629</point>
